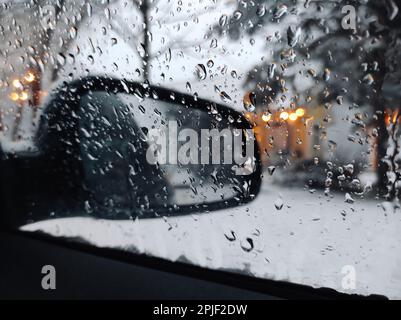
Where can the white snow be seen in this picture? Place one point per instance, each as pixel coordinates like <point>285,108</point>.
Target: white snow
<point>308,241</point>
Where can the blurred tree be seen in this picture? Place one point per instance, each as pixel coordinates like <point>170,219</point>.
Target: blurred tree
<point>43,37</point>
<point>311,40</point>
<point>70,15</point>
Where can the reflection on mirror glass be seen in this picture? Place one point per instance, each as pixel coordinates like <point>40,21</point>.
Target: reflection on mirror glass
<point>155,156</point>
<point>260,137</point>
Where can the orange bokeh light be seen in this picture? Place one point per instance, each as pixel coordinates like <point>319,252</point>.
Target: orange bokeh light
<point>284,115</point>
<point>29,77</point>
<point>17,83</point>
<point>266,117</point>
<point>23,96</point>
<point>14,96</point>
<point>300,112</point>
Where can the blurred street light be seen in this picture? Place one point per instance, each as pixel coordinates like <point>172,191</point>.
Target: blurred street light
<point>23,96</point>
<point>300,112</point>
<point>266,117</point>
<point>14,96</point>
<point>29,77</point>
<point>17,84</point>
<point>284,115</point>
<point>293,116</point>
<point>22,86</point>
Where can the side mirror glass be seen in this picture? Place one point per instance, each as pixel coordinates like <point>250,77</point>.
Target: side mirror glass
<point>153,152</point>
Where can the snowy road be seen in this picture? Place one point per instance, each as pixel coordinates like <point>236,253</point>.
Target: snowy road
<point>308,241</point>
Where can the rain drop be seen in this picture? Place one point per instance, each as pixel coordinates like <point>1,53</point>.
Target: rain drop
<point>200,71</point>
<point>225,97</point>
<point>223,20</point>
<point>280,11</point>
<point>260,11</point>
<point>250,101</point>
<point>247,244</point>
<point>293,35</point>
<point>279,203</point>
<point>73,32</point>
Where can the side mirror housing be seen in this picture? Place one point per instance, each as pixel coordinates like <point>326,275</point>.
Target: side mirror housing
<point>101,155</point>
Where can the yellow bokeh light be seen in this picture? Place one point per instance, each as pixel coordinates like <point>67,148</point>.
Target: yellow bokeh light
<point>284,115</point>
<point>23,96</point>
<point>266,117</point>
<point>29,77</point>
<point>293,116</point>
<point>17,83</point>
<point>14,96</point>
<point>300,112</point>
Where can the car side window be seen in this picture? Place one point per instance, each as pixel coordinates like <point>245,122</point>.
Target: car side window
<point>316,83</point>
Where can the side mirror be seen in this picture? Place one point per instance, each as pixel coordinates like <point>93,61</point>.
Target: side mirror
<point>126,150</point>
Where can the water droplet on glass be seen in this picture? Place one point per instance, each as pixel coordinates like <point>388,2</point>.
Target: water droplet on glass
<point>348,198</point>
<point>250,101</point>
<point>88,207</point>
<point>225,97</point>
<point>91,59</point>
<point>247,244</point>
<point>168,55</point>
<point>73,32</point>
<point>349,168</point>
<point>213,43</point>
<point>368,79</point>
<point>89,9</point>
<point>293,35</point>
<point>279,11</point>
<point>141,50</point>
<point>270,70</point>
<point>312,72</point>
<point>326,74</point>
<point>392,9</point>
<point>223,20</point>
<point>200,71</point>
<point>279,203</point>
<point>107,13</point>
<point>261,10</point>
<point>288,55</point>
<point>224,70</point>
<point>237,15</point>
<point>61,59</point>
<point>230,235</point>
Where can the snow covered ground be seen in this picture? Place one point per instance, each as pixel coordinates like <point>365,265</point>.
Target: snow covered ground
<point>311,240</point>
